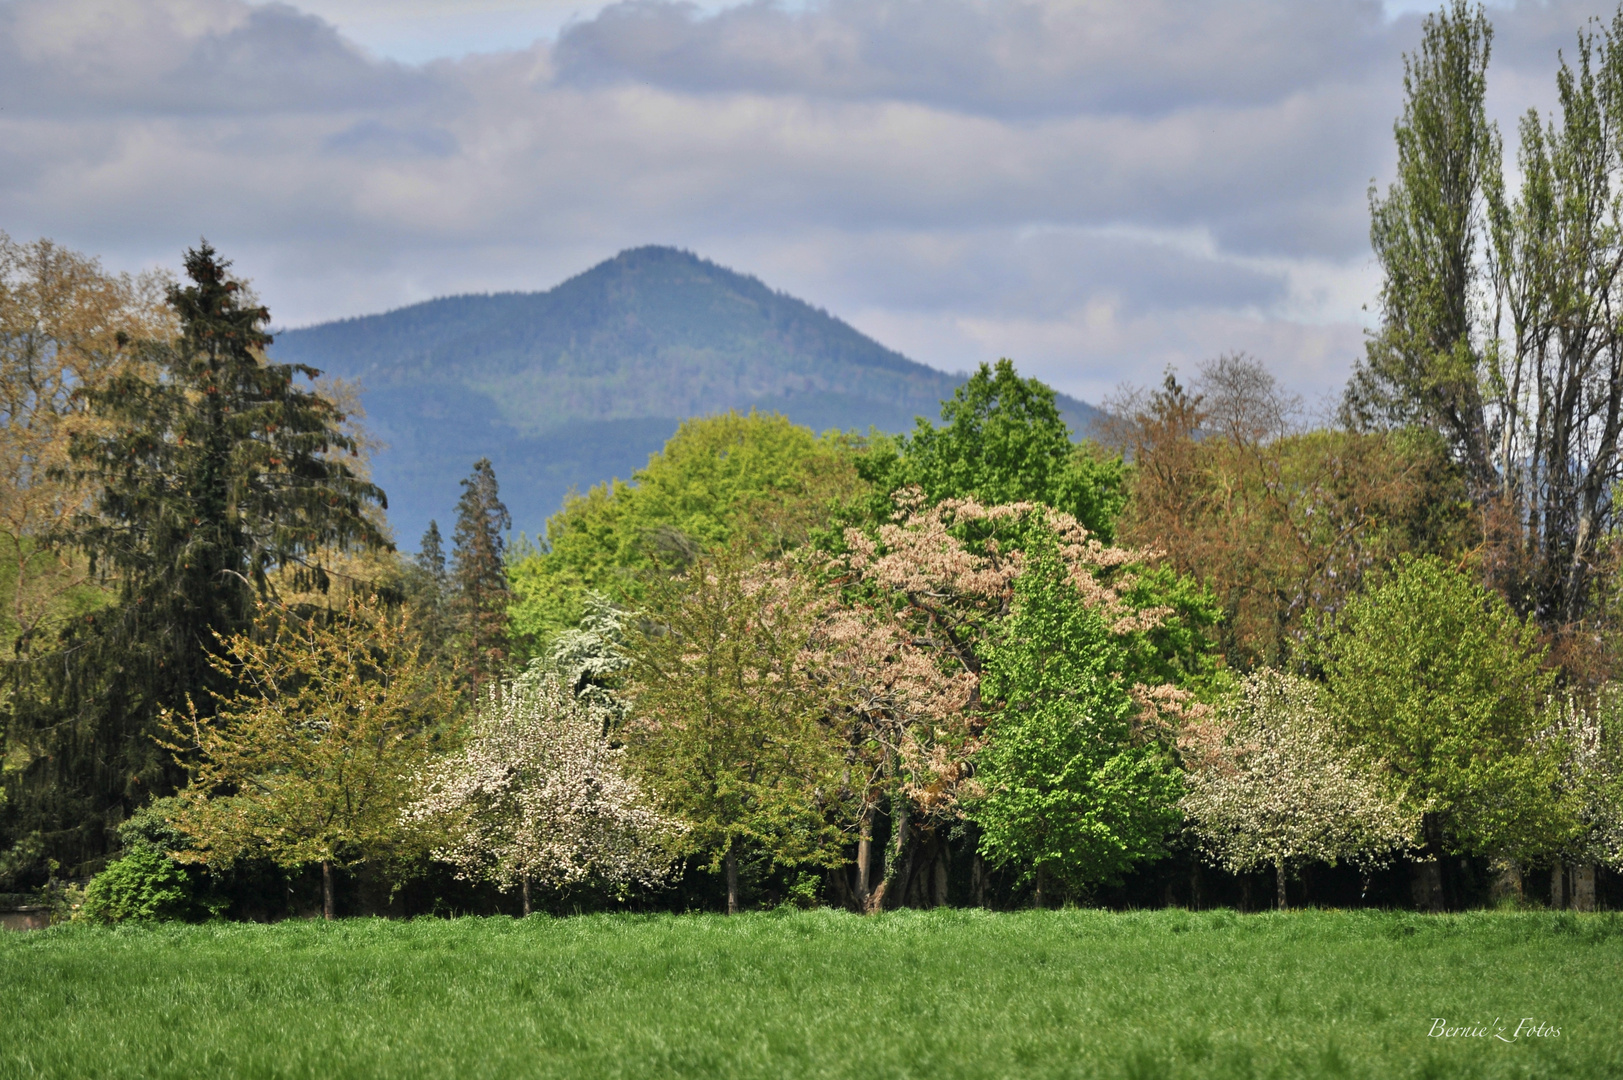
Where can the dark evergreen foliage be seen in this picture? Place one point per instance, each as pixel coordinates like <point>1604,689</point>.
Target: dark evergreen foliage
<point>479,573</point>
<point>216,469</point>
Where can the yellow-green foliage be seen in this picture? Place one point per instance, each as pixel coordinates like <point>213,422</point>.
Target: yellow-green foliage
<point>715,475</point>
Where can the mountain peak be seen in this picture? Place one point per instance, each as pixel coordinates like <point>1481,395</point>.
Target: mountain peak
<point>577,384</point>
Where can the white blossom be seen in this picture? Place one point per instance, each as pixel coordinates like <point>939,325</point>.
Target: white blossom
<point>539,794</point>
<point>1268,784</point>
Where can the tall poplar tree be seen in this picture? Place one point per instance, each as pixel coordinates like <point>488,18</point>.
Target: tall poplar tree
<point>1425,364</point>
<point>479,575</point>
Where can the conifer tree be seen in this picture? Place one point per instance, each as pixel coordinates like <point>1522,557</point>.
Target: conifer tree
<point>215,469</point>
<point>479,574</point>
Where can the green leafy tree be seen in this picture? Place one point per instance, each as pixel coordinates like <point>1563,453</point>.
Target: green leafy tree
<point>1072,795</point>
<point>718,477</point>
<point>727,724</point>
<point>1002,441</point>
<point>1439,679</point>
<point>1424,365</point>
<point>310,759</point>
<point>479,573</point>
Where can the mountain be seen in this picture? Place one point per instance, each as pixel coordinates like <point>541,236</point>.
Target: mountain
<point>565,388</point>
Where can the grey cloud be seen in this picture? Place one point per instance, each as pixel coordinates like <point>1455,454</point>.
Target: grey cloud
<point>216,57</point>
<point>372,138</point>
<point>1018,58</point>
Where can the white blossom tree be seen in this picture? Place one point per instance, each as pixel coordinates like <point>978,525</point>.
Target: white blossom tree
<point>538,794</point>
<point>1268,785</point>
<point>1591,734</point>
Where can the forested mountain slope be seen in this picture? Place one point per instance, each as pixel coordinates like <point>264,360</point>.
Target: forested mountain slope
<point>569,387</point>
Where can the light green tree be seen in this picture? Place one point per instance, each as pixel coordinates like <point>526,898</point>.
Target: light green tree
<point>1439,679</point>
<point>1072,794</point>
<point>717,476</point>
<point>728,726</point>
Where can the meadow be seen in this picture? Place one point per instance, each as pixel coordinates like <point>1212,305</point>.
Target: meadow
<point>939,994</point>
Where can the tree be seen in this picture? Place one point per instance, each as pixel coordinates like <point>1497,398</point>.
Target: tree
<point>1268,784</point>
<point>479,572</point>
<point>65,326</point>
<point>717,477</point>
<point>538,795</point>
<point>1281,523</point>
<point>215,474</point>
<point>1587,735</point>
<point>1003,441</point>
<point>1556,385</point>
<point>1073,794</point>
<point>1425,363</point>
<point>1440,680</point>
<point>310,758</point>
<point>727,725</point>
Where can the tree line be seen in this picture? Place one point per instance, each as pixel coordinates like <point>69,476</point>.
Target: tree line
<point>1212,646</point>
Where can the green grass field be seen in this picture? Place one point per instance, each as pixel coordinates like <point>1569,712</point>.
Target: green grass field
<point>820,994</point>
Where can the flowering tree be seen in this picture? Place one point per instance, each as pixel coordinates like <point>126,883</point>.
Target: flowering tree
<point>1269,785</point>
<point>931,600</point>
<point>538,794</point>
<point>1590,737</point>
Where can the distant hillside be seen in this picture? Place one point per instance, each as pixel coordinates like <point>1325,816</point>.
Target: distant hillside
<point>566,388</point>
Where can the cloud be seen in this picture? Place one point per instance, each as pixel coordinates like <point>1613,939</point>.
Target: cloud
<point>1098,188</point>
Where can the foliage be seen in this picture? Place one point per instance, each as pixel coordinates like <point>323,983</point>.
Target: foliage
<point>1070,794</point>
<point>144,884</point>
<point>311,759</point>
<point>718,477</point>
<point>538,794</point>
<point>1269,785</point>
<point>1280,524</point>
<point>479,577</point>
<point>1496,310</point>
<point>1441,681</point>
<point>213,472</point>
<point>1003,441</point>
<point>1588,734</point>
<point>726,725</point>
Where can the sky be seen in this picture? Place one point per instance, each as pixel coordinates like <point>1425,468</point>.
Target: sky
<point>1098,189</point>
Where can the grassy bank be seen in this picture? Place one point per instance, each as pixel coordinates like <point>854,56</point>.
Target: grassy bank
<point>929,994</point>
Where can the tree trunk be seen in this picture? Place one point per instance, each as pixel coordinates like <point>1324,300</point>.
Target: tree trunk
<point>1426,885</point>
<point>977,880</point>
<point>327,906</point>
<point>1279,883</point>
<point>865,855</point>
<point>938,894</point>
<point>1583,887</point>
<point>1194,885</point>
<point>1507,883</point>
<point>901,875</point>
<point>1558,886</point>
<point>526,890</point>
<point>730,862</point>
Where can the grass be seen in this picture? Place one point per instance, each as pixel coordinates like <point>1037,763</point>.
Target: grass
<point>936,995</point>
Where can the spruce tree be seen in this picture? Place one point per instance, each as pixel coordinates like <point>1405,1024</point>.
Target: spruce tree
<point>479,575</point>
<point>215,470</point>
